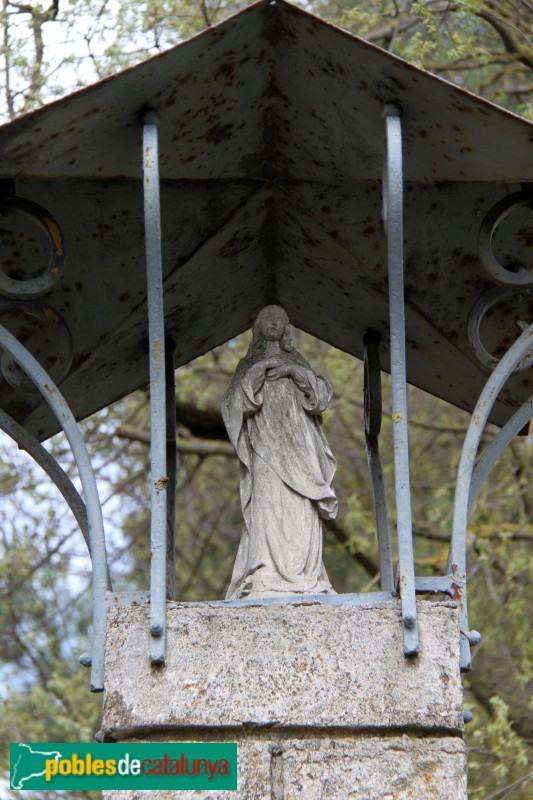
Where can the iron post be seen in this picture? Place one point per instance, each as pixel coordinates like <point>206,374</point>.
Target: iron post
<point>393,217</point>
<point>156,336</point>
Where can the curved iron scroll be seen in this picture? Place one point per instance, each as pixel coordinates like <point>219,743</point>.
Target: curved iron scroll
<point>491,453</point>
<point>58,405</point>
<point>481,307</point>
<point>33,287</point>
<point>57,475</point>
<point>60,478</point>
<point>500,274</point>
<point>468,481</point>
<point>64,349</point>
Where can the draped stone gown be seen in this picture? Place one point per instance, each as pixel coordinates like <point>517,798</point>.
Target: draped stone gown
<point>286,473</point>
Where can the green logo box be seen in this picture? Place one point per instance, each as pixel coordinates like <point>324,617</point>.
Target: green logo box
<point>165,765</point>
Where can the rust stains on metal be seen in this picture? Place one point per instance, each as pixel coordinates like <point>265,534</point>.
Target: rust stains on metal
<point>55,235</point>
<point>52,315</point>
<point>458,592</point>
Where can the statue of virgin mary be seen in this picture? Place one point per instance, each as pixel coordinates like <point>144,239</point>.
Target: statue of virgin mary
<point>272,412</point>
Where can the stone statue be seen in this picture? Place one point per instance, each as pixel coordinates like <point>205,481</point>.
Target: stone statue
<point>272,412</point>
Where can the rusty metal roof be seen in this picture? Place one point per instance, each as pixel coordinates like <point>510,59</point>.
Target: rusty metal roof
<point>272,148</point>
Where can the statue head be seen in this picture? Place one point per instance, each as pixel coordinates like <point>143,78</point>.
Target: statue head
<point>260,327</point>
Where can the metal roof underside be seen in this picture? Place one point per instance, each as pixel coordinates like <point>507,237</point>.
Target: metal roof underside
<point>272,148</point>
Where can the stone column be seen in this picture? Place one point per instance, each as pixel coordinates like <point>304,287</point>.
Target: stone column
<point>320,698</point>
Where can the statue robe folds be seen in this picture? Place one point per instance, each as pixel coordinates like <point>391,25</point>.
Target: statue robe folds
<point>286,473</point>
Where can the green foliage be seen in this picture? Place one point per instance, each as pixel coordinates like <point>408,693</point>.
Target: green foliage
<point>44,577</point>
<point>497,750</point>
<point>44,570</point>
<point>485,47</point>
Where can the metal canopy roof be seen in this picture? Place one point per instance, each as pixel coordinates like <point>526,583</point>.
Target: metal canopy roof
<point>272,149</point>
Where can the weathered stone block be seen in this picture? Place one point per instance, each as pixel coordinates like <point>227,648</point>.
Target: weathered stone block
<point>398,768</point>
<point>254,779</point>
<point>345,768</point>
<point>315,666</point>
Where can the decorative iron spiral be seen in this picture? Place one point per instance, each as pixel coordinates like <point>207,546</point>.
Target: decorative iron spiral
<point>20,301</point>
<point>512,282</point>
<point>35,287</point>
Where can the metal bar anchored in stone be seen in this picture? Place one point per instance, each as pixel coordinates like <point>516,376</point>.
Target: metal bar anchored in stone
<point>172,464</point>
<point>64,416</point>
<point>468,481</point>
<point>393,219</point>
<point>156,335</point>
<point>373,416</point>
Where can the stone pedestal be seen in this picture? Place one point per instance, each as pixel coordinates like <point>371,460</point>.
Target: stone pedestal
<point>320,698</point>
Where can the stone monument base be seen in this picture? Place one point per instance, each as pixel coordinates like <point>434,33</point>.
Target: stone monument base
<point>319,697</point>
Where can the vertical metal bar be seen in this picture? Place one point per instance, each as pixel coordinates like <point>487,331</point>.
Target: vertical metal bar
<point>386,578</point>
<point>393,216</point>
<point>373,416</point>
<point>457,556</point>
<point>64,415</point>
<point>156,335</point>
<point>170,349</point>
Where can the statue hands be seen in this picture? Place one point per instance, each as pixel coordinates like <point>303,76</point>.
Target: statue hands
<point>258,372</point>
<point>287,369</point>
<point>273,368</point>
<point>277,368</point>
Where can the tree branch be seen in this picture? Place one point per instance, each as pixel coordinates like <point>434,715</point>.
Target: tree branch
<point>527,89</point>
<point>7,65</point>
<point>192,447</point>
<point>205,423</point>
<point>462,65</point>
<point>205,13</point>
<point>502,26</point>
<point>38,19</point>
<point>510,786</point>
